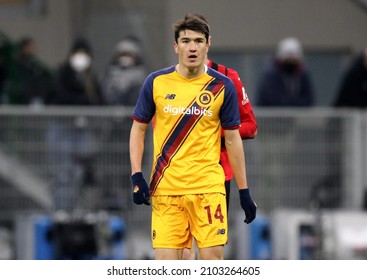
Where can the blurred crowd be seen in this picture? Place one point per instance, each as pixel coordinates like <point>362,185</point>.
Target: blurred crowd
<point>71,142</point>
<point>25,79</point>
<point>289,83</point>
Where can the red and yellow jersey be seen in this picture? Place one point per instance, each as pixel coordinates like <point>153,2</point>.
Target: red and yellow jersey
<point>248,128</point>
<point>188,116</point>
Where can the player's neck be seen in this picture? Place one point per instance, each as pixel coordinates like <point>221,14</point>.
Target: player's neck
<point>207,61</point>
<point>190,73</point>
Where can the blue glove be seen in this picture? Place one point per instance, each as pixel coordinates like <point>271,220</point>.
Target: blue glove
<point>248,205</point>
<point>140,189</point>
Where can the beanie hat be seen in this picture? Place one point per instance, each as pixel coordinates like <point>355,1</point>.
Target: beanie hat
<point>128,46</point>
<point>81,44</point>
<point>289,47</point>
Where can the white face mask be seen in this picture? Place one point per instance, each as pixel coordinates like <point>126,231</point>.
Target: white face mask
<point>80,62</point>
<point>126,60</point>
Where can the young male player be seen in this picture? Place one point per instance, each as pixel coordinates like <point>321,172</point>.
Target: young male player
<point>190,103</point>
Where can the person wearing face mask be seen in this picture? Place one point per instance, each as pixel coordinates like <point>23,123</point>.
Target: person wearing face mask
<point>124,74</point>
<point>71,140</point>
<point>75,83</point>
<point>122,79</point>
<point>287,83</point>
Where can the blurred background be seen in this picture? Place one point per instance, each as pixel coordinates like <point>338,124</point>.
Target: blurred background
<point>70,72</point>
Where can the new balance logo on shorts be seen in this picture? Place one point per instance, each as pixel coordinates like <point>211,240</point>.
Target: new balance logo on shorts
<point>221,231</point>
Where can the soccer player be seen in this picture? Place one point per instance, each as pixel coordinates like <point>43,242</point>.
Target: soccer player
<point>190,103</point>
<point>247,130</point>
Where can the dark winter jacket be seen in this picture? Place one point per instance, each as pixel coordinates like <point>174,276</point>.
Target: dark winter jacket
<point>280,89</point>
<point>353,88</point>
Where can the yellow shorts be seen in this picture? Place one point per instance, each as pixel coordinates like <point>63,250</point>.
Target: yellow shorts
<point>176,219</point>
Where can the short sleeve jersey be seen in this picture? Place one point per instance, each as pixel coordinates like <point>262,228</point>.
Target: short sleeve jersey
<point>188,115</point>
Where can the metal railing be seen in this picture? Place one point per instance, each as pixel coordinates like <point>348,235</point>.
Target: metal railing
<point>77,158</point>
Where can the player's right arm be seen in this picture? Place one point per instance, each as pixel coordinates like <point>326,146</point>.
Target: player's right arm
<point>139,184</point>
<point>143,113</point>
<point>136,145</point>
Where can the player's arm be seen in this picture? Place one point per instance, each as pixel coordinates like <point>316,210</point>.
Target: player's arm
<point>248,128</point>
<point>236,156</point>
<point>136,145</point>
<point>143,113</point>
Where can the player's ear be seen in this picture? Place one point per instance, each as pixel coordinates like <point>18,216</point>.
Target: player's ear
<point>175,46</point>
<point>210,40</point>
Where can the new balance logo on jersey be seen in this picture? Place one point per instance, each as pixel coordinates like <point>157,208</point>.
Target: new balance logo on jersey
<point>170,96</point>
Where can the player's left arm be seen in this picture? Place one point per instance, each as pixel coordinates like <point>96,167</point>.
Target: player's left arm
<point>235,149</point>
<point>236,154</point>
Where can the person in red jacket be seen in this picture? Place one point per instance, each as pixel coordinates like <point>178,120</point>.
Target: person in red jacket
<point>248,128</point>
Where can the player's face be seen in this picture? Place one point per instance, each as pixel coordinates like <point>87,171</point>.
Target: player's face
<point>192,48</point>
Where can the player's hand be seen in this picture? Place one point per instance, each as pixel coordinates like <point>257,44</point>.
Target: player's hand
<point>248,205</point>
<point>140,189</point>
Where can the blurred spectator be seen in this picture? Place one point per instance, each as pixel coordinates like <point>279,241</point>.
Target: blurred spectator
<point>75,82</point>
<point>121,83</point>
<point>125,73</point>
<point>2,67</point>
<point>353,87</point>
<point>352,93</point>
<point>7,50</point>
<point>30,82</point>
<point>287,82</point>
<point>71,141</point>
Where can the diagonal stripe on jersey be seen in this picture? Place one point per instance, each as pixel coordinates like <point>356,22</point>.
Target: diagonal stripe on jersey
<point>179,134</point>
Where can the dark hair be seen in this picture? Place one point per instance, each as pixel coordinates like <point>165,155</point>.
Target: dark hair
<point>192,22</point>
<point>81,44</point>
<point>199,16</point>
